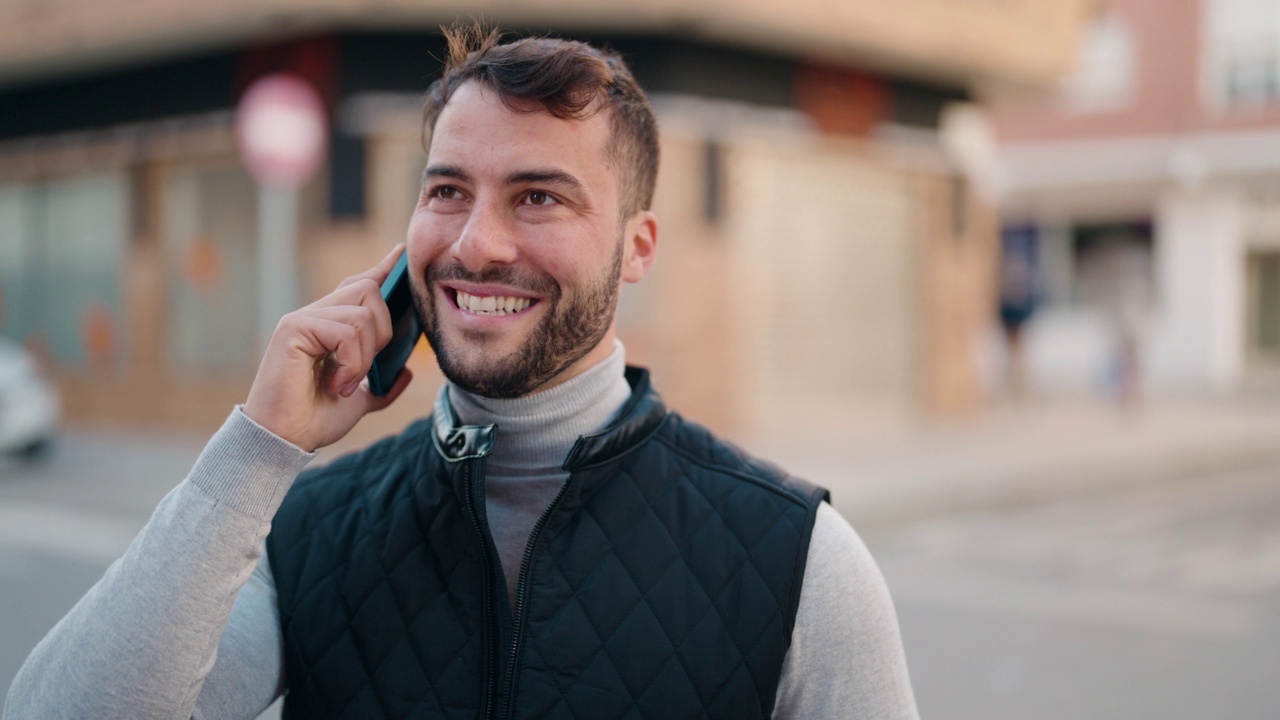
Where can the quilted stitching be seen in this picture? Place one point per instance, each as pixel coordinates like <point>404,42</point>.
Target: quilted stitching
<point>684,559</point>
<point>371,550</point>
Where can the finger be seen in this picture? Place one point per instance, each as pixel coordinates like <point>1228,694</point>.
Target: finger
<point>337,341</point>
<point>378,272</point>
<point>362,293</point>
<point>373,403</point>
<point>363,320</point>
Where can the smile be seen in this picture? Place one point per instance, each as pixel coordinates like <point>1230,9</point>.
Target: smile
<point>491,304</point>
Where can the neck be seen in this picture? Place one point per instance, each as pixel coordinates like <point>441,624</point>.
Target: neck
<point>536,432</point>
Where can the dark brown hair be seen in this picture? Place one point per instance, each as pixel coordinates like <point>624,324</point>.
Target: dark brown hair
<point>570,80</point>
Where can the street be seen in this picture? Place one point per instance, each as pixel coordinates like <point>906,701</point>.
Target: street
<point>1153,602</point>
<point>1159,602</point>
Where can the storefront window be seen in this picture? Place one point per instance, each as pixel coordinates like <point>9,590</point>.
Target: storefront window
<point>1264,300</point>
<point>211,237</point>
<point>60,264</point>
<point>1105,72</point>
<point>1243,53</point>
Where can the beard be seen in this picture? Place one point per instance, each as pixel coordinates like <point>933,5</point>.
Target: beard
<point>569,329</point>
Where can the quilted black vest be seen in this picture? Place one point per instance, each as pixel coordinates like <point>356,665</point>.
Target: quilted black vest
<point>661,583</point>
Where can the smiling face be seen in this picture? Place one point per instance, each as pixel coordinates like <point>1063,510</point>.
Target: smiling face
<point>517,247</point>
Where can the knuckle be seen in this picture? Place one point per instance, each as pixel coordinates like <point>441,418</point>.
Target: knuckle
<point>287,322</point>
<point>369,287</point>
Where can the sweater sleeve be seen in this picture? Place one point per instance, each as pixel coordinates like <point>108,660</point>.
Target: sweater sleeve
<point>846,658</point>
<point>141,643</point>
<point>248,674</point>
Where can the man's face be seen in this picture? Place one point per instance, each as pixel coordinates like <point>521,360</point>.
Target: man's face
<point>516,248</point>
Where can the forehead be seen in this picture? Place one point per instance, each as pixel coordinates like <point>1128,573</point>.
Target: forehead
<point>476,128</point>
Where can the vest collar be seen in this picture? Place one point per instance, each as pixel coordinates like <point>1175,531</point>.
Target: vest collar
<point>460,442</point>
<point>636,421</point>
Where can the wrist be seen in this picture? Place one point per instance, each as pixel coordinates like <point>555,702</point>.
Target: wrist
<point>248,467</point>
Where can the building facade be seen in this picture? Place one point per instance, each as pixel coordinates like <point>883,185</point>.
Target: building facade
<point>819,246</point>
<point>1149,182</point>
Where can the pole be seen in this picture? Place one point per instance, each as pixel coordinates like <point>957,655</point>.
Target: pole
<point>277,256</point>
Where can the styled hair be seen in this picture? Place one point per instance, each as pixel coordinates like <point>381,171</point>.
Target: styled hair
<point>566,78</point>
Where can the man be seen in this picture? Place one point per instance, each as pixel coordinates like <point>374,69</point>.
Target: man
<point>551,542</point>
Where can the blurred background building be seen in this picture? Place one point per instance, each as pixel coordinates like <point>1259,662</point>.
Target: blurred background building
<point>830,243</point>
<point>1148,189</point>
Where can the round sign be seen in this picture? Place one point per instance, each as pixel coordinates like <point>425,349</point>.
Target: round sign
<point>281,128</point>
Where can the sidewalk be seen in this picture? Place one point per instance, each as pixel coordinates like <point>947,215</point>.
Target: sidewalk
<point>1008,456</point>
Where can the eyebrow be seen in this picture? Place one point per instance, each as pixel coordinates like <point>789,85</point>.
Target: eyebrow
<point>444,171</point>
<point>554,177</point>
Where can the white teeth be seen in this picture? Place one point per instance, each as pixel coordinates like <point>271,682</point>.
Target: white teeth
<point>492,304</point>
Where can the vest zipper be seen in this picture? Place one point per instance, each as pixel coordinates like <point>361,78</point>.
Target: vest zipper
<point>468,479</point>
<point>517,626</point>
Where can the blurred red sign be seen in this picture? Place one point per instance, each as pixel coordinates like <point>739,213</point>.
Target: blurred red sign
<point>281,128</point>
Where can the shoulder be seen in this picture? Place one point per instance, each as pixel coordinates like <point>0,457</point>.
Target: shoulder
<point>362,473</point>
<point>369,461</point>
<point>344,494</point>
<point>696,446</point>
<point>840,565</point>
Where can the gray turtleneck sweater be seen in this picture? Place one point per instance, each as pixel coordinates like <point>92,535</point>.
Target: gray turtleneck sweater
<point>185,624</point>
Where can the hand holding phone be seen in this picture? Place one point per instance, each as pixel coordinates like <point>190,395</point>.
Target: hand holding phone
<point>310,387</point>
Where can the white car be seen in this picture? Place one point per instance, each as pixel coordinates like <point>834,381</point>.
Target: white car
<point>28,403</point>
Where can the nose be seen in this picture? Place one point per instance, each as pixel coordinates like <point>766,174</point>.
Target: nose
<point>487,238</point>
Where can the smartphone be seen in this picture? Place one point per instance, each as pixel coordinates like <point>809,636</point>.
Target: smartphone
<point>405,329</point>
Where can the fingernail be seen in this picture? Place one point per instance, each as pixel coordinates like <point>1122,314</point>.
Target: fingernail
<point>350,388</point>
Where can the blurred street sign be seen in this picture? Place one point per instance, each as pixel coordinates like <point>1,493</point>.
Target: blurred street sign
<point>282,131</point>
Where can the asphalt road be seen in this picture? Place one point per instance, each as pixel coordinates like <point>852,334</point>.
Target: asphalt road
<point>1160,602</point>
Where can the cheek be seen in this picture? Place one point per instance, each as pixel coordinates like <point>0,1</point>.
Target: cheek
<point>583,251</point>
<point>424,241</point>
<point>567,268</point>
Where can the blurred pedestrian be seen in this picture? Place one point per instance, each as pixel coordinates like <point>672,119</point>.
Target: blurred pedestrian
<point>552,542</point>
<point>1018,298</point>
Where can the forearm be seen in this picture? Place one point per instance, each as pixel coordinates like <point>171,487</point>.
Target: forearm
<point>142,640</point>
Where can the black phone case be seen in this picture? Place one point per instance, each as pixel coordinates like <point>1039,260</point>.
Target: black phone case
<point>405,329</point>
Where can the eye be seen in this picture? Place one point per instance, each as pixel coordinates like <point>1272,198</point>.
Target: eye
<point>444,192</point>
<point>538,198</point>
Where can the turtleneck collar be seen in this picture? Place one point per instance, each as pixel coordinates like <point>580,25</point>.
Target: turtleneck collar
<point>536,432</point>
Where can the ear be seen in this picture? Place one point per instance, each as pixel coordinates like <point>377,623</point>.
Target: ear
<point>640,245</point>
